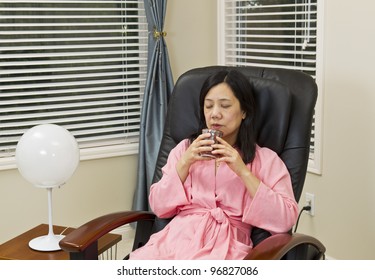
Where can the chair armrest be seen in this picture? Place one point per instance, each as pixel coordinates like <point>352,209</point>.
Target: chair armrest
<point>84,236</point>
<point>276,246</point>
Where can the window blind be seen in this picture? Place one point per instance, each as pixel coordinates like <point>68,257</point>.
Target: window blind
<point>271,33</point>
<point>78,64</point>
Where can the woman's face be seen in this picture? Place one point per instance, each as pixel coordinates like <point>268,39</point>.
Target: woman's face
<point>222,111</point>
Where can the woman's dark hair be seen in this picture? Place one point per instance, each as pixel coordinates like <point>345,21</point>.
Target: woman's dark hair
<point>242,89</point>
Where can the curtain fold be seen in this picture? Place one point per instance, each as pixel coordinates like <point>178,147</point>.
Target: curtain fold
<point>159,85</point>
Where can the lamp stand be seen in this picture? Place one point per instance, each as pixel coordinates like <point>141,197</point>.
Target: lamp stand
<point>51,241</point>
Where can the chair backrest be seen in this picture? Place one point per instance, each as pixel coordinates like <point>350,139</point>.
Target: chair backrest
<point>286,101</point>
<point>285,107</point>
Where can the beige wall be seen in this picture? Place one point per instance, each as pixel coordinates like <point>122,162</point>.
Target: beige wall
<point>345,192</point>
<point>97,187</point>
<point>191,34</point>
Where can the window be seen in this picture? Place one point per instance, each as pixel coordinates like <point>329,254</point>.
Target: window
<point>78,64</point>
<point>276,33</point>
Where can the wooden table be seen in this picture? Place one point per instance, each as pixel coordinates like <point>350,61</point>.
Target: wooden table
<point>18,247</point>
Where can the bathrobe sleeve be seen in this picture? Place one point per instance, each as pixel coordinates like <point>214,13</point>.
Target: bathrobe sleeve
<point>169,194</point>
<point>273,207</point>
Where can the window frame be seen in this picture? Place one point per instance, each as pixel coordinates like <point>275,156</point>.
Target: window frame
<point>108,148</point>
<point>315,160</point>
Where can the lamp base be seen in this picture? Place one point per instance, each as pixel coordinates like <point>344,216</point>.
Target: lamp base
<point>46,243</point>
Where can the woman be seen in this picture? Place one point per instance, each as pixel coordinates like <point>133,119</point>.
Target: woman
<point>216,202</point>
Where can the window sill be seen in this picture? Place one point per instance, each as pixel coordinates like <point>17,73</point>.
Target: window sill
<point>86,154</point>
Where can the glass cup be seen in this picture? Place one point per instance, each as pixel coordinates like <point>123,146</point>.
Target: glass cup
<point>213,135</point>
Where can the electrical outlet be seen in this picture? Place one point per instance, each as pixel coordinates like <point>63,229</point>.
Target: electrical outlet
<point>310,200</point>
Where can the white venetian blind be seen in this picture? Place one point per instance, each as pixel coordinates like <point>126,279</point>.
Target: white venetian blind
<point>78,64</point>
<point>270,33</point>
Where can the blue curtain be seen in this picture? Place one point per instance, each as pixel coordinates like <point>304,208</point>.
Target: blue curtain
<point>158,89</point>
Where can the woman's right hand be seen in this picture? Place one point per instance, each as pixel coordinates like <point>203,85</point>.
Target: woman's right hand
<point>193,153</point>
<point>200,145</point>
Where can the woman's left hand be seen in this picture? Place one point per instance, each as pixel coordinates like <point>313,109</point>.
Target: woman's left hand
<point>226,153</point>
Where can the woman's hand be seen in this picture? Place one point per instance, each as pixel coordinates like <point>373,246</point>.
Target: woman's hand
<point>193,153</point>
<point>200,145</point>
<point>226,153</point>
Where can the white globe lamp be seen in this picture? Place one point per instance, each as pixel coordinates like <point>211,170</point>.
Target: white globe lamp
<point>47,156</point>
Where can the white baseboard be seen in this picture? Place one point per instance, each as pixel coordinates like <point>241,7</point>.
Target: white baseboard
<point>121,249</point>
<point>329,258</point>
<point>126,231</point>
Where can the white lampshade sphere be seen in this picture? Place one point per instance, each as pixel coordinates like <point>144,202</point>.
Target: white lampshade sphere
<point>47,156</point>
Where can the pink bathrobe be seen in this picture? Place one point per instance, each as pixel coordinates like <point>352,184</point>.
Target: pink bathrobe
<point>214,214</point>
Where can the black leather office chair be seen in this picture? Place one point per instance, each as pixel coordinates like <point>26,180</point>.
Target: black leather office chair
<point>286,101</point>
